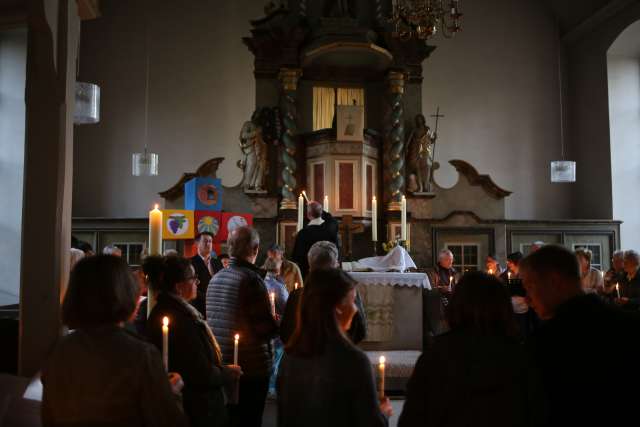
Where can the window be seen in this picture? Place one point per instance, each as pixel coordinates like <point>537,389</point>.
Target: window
<point>325,100</point>
<point>465,256</point>
<point>596,251</point>
<point>131,252</point>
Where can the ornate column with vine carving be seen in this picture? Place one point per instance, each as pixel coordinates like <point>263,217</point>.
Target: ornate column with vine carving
<point>395,140</point>
<point>289,80</point>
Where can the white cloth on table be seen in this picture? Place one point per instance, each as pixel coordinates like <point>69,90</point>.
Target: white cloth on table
<point>397,259</point>
<point>419,280</point>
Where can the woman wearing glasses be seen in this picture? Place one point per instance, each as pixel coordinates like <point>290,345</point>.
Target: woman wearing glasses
<point>193,350</point>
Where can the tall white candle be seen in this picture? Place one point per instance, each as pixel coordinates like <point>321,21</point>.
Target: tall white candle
<point>325,204</point>
<point>403,219</point>
<point>155,231</point>
<point>618,290</point>
<point>155,247</point>
<point>450,283</point>
<point>236,340</point>
<point>381,374</point>
<point>165,343</point>
<point>374,219</point>
<point>300,213</point>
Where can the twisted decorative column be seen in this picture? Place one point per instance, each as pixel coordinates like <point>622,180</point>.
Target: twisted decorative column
<point>395,138</point>
<point>289,79</point>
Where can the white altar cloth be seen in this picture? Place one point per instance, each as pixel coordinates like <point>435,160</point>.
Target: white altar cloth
<point>420,280</point>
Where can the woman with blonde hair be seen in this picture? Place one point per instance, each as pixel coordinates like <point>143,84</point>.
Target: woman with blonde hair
<point>592,280</point>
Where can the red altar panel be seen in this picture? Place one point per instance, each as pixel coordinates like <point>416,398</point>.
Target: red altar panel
<point>345,186</point>
<point>318,182</point>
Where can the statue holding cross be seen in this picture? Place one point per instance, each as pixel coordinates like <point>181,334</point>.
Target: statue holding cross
<point>421,154</point>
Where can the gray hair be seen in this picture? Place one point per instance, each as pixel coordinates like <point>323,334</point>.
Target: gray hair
<point>170,252</point>
<point>243,242</point>
<point>632,255</point>
<point>314,209</point>
<point>322,255</point>
<point>111,250</point>
<point>445,252</point>
<point>76,255</point>
<point>618,254</point>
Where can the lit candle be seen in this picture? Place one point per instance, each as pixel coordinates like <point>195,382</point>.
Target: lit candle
<point>165,343</point>
<point>374,219</point>
<point>304,194</point>
<point>618,290</point>
<point>295,286</point>
<point>403,219</point>
<point>325,204</point>
<point>155,247</point>
<point>300,213</point>
<point>509,275</point>
<point>236,340</point>
<point>491,271</point>
<point>272,299</point>
<point>381,373</point>
<point>450,283</point>
<point>155,231</point>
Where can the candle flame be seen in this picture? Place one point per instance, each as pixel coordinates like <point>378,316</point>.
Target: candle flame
<point>237,337</point>
<point>295,286</point>
<point>155,206</point>
<point>382,360</point>
<point>165,321</point>
<point>374,198</point>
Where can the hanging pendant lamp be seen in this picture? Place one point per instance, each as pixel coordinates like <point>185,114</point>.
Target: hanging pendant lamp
<point>145,163</point>
<point>562,170</point>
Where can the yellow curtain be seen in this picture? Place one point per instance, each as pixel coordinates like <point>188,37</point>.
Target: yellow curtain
<point>324,100</point>
<point>346,96</point>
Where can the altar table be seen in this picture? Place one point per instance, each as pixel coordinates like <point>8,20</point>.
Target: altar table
<point>393,302</point>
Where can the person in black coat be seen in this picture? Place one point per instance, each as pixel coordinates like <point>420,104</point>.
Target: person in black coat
<point>193,350</point>
<point>100,374</point>
<point>238,303</point>
<point>478,373</point>
<point>324,380</point>
<point>206,264</point>
<point>316,230</point>
<point>584,348</point>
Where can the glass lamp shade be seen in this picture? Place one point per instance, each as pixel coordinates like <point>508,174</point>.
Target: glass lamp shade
<point>563,171</point>
<point>87,109</point>
<point>144,164</point>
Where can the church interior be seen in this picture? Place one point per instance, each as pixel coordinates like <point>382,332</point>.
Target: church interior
<point>479,129</point>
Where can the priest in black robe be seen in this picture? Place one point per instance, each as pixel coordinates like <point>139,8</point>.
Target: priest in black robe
<point>317,229</point>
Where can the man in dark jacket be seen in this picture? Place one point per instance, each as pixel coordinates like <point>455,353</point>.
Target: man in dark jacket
<point>238,303</point>
<point>206,264</point>
<point>630,290</point>
<point>580,337</point>
<point>316,230</point>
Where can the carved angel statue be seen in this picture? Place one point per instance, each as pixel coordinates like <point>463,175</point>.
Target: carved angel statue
<point>420,156</point>
<point>254,161</point>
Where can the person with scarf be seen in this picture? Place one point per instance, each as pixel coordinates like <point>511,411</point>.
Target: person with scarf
<point>194,352</point>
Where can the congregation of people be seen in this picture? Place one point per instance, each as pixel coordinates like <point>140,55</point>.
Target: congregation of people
<point>546,340</point>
